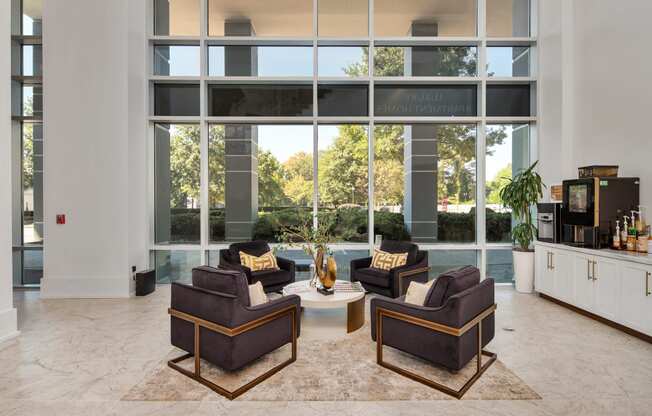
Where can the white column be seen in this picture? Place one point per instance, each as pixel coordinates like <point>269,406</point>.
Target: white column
<point>87,151</point>
<point>8,321</point>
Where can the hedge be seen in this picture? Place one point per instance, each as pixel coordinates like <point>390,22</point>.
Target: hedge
<point>347,224</point>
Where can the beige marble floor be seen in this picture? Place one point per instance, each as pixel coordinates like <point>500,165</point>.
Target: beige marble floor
<point>78,357</point>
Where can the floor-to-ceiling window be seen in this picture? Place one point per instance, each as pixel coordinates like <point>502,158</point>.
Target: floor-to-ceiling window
<point>27,141</point>
<point>382,119</point>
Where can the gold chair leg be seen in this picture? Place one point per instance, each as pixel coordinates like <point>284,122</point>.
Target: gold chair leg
<point>458,394</point>
<point>196,374</point>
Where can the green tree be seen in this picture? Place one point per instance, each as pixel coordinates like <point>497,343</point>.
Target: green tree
<point>271,179</point>
<point>28,156</point>
<point>343,168</point>
<point>184,166</point>
<point>298,184</point>
<point>497,183</point>
<point>216,167</point>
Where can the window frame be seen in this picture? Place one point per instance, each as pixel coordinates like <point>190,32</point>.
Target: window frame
<point>481,41</point>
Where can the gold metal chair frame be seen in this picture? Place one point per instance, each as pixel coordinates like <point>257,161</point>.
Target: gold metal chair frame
<point>231,332</point>
<point>444,329</point>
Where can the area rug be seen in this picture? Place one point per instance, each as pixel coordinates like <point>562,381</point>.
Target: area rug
<point>336,370</point>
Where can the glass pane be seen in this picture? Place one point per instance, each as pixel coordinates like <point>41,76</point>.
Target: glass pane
<point>508,61</point>
<point>174,265</point>
<point>32,183</point>
<point>500,265</point>
<point>426,61</point>
<point>32,17</point>
<point>343,100</point>
<point>176,60</point>
<point>260,18</point>
<point>508,18</point>
<point>425,18</point>
<point>443,260</point>
<point>262,61</point>
<point>505,100</point>
<point>260,180</point>
<point>32,267</point>
<point>343,61</point>
<point>343,180</point>
<point>176,100</point>
<point>425,182</point>
<point>343,18</point>
<point>176,17</point>
<point>176,187</point>
<point>508,152</point>
<point>32,101</point>
<point>260,100</point>
<point>426,101</point>
<point>32,60</point>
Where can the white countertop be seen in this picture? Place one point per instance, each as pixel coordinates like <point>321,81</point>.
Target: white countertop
<point>642,258</point>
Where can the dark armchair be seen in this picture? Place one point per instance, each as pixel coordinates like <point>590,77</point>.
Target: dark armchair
<point>392,283</point>
<point>213,320</point>
<point>452,328</point>
<point>272,280</point>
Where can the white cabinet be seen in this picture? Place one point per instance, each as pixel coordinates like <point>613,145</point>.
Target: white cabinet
<point>636,297</point>
<point>583,279</point>
<point>543,279</point>
<point>613,285</point>
<point>562,268</point>
<point>606,285</point>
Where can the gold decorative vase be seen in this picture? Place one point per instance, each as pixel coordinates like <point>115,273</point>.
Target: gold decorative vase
<point>328,276</point>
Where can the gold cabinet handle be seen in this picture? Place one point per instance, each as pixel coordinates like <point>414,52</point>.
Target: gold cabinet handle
<point>588,270</point>
<point>647,284</point>
<point>552,261</point>
<point>549,261</point>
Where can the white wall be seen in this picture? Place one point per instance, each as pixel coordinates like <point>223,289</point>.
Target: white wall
<point>91,174</point>
<point>8,326</point>
<point>595,88</point>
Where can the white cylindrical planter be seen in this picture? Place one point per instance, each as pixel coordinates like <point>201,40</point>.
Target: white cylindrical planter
<point>524,270</point>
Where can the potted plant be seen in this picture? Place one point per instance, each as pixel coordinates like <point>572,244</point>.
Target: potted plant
<point>519,194</point>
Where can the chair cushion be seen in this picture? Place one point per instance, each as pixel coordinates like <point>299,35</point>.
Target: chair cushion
<point>391,246</point>
<point>255,248</point>
<point>373,276</point>
<point>257,294</point>
<point>417,292</point>
<point>271,277</point>
<point>450,283</point>
<point>387,261</point>
<point>267,261</point>
<point>233,282</point>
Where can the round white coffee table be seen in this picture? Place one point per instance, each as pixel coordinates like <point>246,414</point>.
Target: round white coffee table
<point>311,299</point>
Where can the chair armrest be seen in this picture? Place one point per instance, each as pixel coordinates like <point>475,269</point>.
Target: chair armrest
<point>402,275</point>
<point>359,264</point>
<point>398,305</point>
<point>285,264</point>
<point>247,314</point>
<point>206,304</point>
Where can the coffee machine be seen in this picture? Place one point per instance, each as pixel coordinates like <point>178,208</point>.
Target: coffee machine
<point>591,207</point>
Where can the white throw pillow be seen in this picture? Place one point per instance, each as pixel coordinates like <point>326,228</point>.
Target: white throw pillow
<point>257,295</point>
<point>416,293</point>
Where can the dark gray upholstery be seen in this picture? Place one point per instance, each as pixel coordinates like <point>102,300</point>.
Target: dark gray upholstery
<point>450,283</point>
<point>225,281</point>
<point>272,280</point>
<point>441,349</point>
<point>387,283</point>
<point>230,310</point>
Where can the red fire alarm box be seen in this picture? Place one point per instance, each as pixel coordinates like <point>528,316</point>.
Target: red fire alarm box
<point>61,219</point>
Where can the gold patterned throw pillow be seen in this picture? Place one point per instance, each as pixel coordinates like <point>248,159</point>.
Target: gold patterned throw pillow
<point>265,262</point>
<point>387,261</point>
